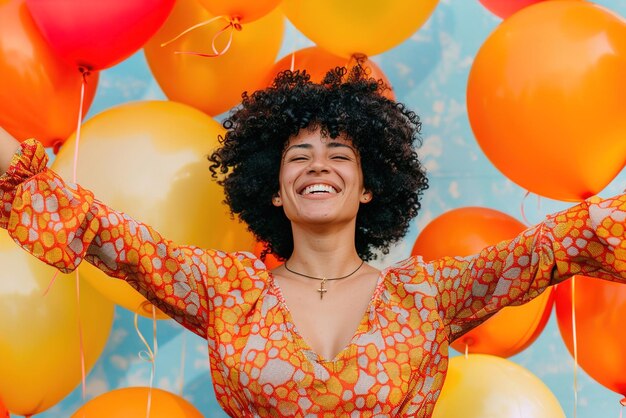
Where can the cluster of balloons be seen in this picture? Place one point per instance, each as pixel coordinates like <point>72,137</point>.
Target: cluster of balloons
<point>547,68</point>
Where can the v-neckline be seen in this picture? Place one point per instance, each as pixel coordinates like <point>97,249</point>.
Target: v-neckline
<point>301,341</point>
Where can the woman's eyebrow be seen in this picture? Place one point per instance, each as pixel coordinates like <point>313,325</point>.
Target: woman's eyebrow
<point>304,146</point>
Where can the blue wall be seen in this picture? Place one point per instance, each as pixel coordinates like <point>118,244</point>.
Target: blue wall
<point>429,73</point>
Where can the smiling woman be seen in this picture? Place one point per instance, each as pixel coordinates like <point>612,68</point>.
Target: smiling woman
<point>327,174</point>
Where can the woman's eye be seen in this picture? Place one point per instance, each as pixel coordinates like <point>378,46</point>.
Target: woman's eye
<point>340,157</point>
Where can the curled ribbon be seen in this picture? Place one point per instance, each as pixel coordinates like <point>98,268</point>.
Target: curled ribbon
<point>149,355</point>
<point>232,25</point>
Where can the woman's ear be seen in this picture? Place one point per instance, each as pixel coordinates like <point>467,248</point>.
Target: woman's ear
<point>366,197</point>
<point>276,200</point>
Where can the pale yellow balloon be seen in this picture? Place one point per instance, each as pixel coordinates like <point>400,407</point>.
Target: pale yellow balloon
<point>484,386</point>
<point>346,27</point>
<point>215,84</point>
<point>40,360</point>
<point>148,159</point>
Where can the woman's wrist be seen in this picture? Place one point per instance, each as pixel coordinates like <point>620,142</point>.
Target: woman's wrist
<point>8,148</point>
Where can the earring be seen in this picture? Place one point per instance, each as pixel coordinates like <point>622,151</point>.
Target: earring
<point>276,200</point>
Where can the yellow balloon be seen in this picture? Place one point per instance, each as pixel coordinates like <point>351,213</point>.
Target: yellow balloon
<point>39,335</point>
<point>368,27</point>
<point>212,85</point>
<point>148,159</point>
<point>484,386</point>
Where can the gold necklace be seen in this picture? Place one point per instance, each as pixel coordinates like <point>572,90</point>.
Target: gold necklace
<point>322,289</point>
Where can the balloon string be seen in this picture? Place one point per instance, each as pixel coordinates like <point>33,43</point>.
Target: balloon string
<point>466,350</point>
<point>149,356</point>
<point>192,28</point>
<point>233,24</point>
<point>292,67</point>
<point>182,365</point>
<point>56,274</point>
<point>215,53</point>
<point>85,73</point>
<point>522,208</point>
<point>575,345</point>
<point>80,340</point>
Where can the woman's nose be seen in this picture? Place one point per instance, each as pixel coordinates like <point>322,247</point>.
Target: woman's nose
<point>318,165</point>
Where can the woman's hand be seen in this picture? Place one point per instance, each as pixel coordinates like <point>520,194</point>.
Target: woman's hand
<point>8,147</point>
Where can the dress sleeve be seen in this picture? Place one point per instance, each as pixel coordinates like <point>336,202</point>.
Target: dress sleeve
<point>588,239</point>
<point>62,224</point>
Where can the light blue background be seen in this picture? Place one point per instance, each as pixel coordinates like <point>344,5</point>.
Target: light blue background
<point>429,73</point>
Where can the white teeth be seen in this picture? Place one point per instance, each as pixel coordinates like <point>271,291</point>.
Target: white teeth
<point>319,188</point>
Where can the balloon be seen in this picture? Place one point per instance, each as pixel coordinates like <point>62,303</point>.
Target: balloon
<point>505,8</point>
<point>466,231</point>
<point>358,26</point>
<point>133,402</point>
<point>245,11</point>
<point>546,98</point>
<point>212,85</point>
<point>4,412</point>
<point>600,322</point>
<point>39,338</point>
<point>98,34</point>
<point>39,93</point>
<point>482,386</point>
<point>148,159</point>
<point>318,62</point>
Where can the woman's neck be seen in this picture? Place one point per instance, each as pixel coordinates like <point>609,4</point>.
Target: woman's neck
<point>324,252</point>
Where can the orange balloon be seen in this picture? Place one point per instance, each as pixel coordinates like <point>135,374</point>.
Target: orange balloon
<point>600,322</point>
<point>271,261</point>
<point>466,231</point>
<point>346,27</point>
<point>133,402</point>
<point>245,11</point>
<point>212,85</point>
<point>39,93</point>
<point>40,347</point>
<point>148,159</point>
<point>545,98</point>
<point>317,62</point>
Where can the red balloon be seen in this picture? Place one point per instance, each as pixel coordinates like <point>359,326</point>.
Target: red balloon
<point>4,412</point>
<point>317,61</point>
<point>600,322</point>
<point>505,8</point>
<point>466,231</point>
<point>97,34</point>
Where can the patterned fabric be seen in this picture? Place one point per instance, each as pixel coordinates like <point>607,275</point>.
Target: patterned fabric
<point>396,361</point>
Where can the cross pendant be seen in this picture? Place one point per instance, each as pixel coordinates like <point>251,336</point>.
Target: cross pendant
<point>322,289</point>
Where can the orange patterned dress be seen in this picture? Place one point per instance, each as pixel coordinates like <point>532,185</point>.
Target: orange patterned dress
<point>396,362</point>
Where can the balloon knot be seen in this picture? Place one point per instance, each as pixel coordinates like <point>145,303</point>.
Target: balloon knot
<point>236,23</point>
<point>56,146</point>
<point>85,71</point>
<point>623,402</point>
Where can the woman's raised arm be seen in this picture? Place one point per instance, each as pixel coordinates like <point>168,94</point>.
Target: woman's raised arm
<point>588,239</point>
<point>62,224</point>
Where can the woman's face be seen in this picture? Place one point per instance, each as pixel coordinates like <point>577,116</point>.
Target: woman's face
<point>321,181</point>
